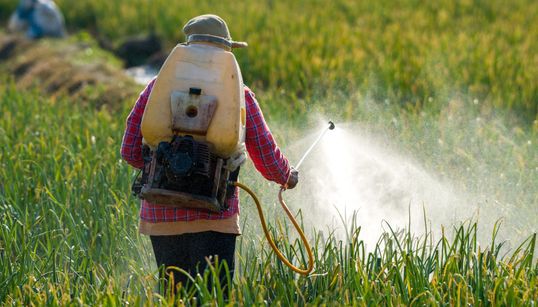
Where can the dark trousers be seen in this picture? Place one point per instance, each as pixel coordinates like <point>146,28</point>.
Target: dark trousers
<point>191,252</point>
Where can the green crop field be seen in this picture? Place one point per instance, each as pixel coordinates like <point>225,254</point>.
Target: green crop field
<point>452,84</point>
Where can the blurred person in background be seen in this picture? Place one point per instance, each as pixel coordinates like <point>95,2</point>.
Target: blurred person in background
<point>190,238</point>
<point>37,18</point>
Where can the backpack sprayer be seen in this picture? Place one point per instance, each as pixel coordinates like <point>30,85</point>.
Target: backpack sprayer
<point>194,132</point>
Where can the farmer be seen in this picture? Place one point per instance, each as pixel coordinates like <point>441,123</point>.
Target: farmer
<point>188,238</point>
<point>38,18</point>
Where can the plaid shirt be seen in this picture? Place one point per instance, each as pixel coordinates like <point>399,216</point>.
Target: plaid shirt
<point>260,144</point>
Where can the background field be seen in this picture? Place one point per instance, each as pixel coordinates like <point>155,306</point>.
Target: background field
<point>450,85</point>
<point>403,51</point>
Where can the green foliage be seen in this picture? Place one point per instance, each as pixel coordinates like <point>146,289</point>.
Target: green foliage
<point>61,212</point>
<point>68,235</point>
<point>438,76</point>
<point>403,51</point>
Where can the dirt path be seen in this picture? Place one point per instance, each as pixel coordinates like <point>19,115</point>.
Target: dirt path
<point>78,70</point>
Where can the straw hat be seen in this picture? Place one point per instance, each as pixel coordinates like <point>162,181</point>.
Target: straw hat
<point>210,28</point>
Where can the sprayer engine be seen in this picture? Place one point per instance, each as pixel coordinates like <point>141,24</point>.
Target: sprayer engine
<point>186,165</point>
<point>184,173</point>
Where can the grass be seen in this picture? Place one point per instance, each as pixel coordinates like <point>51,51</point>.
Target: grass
<point>453,84</point>
<point>74,67</point>
<point>402,51</point>
<point>69,234</point>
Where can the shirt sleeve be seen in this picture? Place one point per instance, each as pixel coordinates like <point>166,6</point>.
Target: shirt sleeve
<point>261,146</point>
<point>131,146</point>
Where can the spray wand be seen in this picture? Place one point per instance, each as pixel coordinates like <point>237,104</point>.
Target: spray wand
<point>290,215</point>
<point>330,127</point>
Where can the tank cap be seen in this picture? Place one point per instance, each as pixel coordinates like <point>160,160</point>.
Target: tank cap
<point>195,91</point>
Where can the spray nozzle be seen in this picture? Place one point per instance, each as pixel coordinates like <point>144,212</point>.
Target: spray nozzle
<point>331,125</point>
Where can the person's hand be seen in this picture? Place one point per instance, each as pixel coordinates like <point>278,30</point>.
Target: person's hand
<point>293,179</point>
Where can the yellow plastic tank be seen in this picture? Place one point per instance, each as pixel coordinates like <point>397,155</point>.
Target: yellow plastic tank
<point>199,92</point>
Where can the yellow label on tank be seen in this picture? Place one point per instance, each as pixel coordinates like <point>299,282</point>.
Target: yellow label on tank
<point>243,116</point>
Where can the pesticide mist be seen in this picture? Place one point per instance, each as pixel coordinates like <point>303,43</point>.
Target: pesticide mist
<point>352,175</point>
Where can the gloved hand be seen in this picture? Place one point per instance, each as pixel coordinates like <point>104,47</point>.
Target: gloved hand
<point>293,179</point>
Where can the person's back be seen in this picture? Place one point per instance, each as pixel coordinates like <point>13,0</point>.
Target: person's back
<point>37,18</point>
<point>187,237</point>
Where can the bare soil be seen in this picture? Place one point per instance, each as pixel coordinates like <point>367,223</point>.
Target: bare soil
<point>57,69</point>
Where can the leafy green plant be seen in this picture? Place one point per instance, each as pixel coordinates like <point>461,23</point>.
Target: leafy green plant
<point>69,236</point>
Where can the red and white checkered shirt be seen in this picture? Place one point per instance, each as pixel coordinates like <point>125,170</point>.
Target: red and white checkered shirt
<point>260,144</point>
